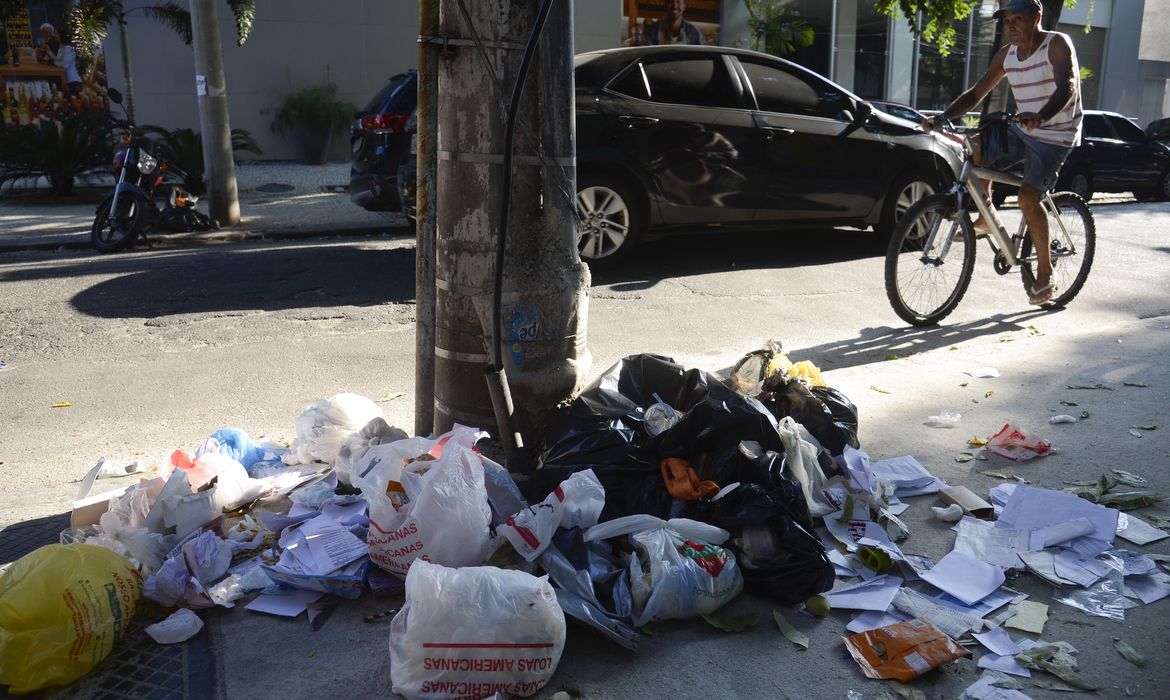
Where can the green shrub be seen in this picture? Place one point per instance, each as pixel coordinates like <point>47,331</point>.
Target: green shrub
<point>310,118</point>
<point>183,149</point>
<point>60,151</point>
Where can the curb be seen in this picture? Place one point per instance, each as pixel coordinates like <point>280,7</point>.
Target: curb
<point>81,241</point>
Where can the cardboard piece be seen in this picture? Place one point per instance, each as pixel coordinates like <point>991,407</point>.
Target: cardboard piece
<point>966,499</point>
<point>903,651</point>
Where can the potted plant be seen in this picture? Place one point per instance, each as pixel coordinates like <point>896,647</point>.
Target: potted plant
<point>309,118</point>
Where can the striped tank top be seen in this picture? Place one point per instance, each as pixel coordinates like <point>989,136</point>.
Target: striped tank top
<point>1033,83</point>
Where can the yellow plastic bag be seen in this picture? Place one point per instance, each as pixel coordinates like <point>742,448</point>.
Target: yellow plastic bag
<point>62,608</point>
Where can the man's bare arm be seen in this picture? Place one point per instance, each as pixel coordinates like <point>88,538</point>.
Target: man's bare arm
<point>968,100</point>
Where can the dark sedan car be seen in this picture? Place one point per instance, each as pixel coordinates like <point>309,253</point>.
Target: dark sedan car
<point>378,143</point>
<point>674,138</point>
<point>899,110</point>
<point>1115,155</point>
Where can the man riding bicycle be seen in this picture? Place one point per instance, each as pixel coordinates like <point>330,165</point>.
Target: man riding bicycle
<point>1041,67</point>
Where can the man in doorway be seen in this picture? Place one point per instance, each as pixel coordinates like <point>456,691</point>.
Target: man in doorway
<point>1041,67</point>
<point>673,29</point>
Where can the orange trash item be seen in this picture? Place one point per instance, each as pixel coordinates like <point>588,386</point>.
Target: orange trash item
<point>903,651</point>
<point>683,483</point>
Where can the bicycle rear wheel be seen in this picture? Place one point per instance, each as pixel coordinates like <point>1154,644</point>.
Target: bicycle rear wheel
<point>930,260</point>
<point>1072,248</point>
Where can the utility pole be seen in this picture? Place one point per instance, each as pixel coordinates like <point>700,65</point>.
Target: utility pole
<point>211,89</point>
<point>425,206</point>
<point>545,302</point>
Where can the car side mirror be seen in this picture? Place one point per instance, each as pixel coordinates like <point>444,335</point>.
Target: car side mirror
<point>862,112</point>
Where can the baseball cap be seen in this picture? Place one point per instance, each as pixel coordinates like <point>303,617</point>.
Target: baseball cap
<point>1019,6</point>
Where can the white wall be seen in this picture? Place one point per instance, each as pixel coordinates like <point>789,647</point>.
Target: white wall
<point>294,43</point>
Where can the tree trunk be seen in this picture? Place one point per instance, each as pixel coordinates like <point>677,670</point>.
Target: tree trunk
<point>124,42</point>
<point>211,88</point>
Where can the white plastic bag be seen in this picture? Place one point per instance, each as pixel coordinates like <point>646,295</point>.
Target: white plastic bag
<point>801,461</point>
<point>677,569</point>
<point>576,502</point>
<point>323,427</point>
<point>435,509</point>
<point>475,632</point>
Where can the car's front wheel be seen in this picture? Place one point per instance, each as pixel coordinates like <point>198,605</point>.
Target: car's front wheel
<point>1080,183</point>
<point>610,220</point>
<point>907,190</point>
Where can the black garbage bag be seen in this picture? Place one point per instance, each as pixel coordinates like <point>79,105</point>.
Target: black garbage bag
<point>773,539</point>
<point>825,412</point>
<point>604,431</point>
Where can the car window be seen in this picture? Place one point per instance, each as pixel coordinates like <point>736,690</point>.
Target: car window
<point>1097,127</point>
<point>703,82</point>
<point>403,101</point>
<point>792,92</point>
<point>1127,130</point>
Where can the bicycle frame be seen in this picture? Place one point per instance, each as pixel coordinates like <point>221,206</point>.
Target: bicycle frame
<point>970,182</point>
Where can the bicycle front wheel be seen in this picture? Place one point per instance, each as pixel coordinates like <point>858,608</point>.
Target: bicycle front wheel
<point>930,260</point>
<point>1072,240</point>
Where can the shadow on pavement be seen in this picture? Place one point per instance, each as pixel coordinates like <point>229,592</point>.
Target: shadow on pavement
<point>254,278</point>
<point>722,251</point>
<point>874,345</point>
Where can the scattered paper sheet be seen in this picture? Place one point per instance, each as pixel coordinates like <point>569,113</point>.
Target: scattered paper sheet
<point>1032,509</point>
<point>321,546</point>
<point>998,642</point>
<point>1029,616</point>
<point>985,689</point>
<point>876,594</point>
<point>982,372</point>
<point>1042,562</point>
<point>841,565</point>
<point>1149,589</point>
<point>994,601</point>
<point>1082,572</point>
<point>1134,529</point>
<point>871,620</point>
<point>965,577</point>
<point>1059,533</point>
<point>289,605</point>
<point>994,545</point>
<point>907,475</point>
<point>1003,664</point>
<point>953,623</point>
<point>858,469</point>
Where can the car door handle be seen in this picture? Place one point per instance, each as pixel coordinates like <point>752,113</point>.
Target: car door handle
<point>771,132</point>
<point>634,122</point>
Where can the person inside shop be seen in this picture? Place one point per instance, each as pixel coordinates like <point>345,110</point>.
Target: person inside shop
<point>673,29</point>
<point>63,55</point>
<point>1041,67</point>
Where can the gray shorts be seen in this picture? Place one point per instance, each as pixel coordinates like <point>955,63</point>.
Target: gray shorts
<point>1041,160</point>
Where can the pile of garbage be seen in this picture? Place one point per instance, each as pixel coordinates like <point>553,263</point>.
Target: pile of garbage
<point>663,493</point>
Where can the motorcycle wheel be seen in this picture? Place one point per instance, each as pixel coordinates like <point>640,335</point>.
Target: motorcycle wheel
<point>109,235</point>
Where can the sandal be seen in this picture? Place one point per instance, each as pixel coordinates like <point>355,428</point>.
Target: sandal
<point>1038,296</point>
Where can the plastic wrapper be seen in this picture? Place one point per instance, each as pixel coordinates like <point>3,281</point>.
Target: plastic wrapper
<point>323,427</point>
<point>1013,443</point>
<point>474,632</point>
<point>179,627</point>
<point>903,651</point>
<point>577,502</point>
<point>1102,599</point>
<point>63,607</point>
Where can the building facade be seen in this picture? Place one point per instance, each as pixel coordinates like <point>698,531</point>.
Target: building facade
<point>357,44</point>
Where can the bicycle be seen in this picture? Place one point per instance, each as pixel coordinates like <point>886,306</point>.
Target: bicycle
<point>931,255</point>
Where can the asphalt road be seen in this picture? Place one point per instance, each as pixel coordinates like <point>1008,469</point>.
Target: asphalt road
<point>156,349</point>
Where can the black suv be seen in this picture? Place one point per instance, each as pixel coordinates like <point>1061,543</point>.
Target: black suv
<point>378,142</point>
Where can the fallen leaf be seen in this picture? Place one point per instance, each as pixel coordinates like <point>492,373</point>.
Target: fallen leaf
<point>987,395</point>
<point>1090,386</point>
<point>1055,659</point>
<point>976,442</point>
<point>1131,655</point>
<point>733,623</point>
<point>964,383</point>
<point>1129,478</point>
<point>997,475</point>
<point>137,452</point>
<point>794,635</point>
<point>953,347</point>
<point>1135,433</point>
<point>391,397</point>
<point>1068,403</point>
<point>1035,331</point>
<point>878,390</point>
<point>1137,384</point>
<point>964,457</point>
<point>1084,415</point>
<point>1144,427</point>
<point>62,404</point>
<point>1054,685</point>
<point>891,356</point>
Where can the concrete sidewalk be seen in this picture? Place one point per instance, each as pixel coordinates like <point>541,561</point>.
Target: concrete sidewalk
<point>277,201</point>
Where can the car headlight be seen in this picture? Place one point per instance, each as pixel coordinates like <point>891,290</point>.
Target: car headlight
<point>146,162</point>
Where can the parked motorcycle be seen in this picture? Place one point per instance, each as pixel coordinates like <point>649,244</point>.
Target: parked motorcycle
<point>127,213</point>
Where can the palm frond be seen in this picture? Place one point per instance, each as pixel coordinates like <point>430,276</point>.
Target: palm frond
<point>173,16</point>
<point>245,13</point>
<point>89,21</point>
